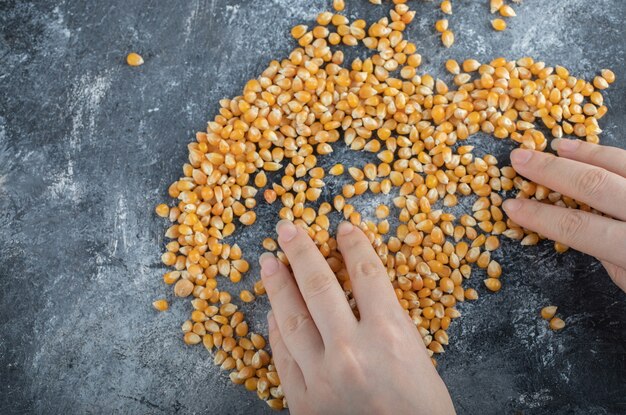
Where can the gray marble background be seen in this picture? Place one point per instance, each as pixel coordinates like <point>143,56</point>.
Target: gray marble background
<point>89,145</point>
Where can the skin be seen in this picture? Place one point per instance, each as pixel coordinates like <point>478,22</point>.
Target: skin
<point>592,174</point>
<point>330,362</point>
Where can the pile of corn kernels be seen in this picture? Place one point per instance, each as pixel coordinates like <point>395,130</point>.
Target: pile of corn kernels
<point>302,107</point>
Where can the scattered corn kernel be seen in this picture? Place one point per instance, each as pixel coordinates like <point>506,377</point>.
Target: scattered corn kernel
<point>134,59</point>
<point>162,210</point>
<point>161,305</point>
<point>498,24</point>
<point>441,25</point>
<point>297,113</point>
<point>339,5</point>
<point>556,324</point>
<point>507,11</point>
<point>446,7</point>
<point>447,38</point>
<point>548,312</point>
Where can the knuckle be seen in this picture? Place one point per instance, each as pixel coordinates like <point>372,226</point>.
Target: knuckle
<point>570,225</point>
<point>294,323</point>
<point>316,284</point>
<point>277,284</point>
<point>279,354</point>
<point>596,155</point>
<point>274,337</point>
<point>348,366</point>
<point>592,182</point>
<point>546,162</point>
<point>367,269</point>
<point>298,248</point>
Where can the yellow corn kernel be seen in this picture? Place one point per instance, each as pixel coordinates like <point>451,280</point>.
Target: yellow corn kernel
<point>495,5</point>
<point>556,324</point>
<point>608,75</point>
<point>339,5</point>
<point>446,7</point>
<point>162,210</point>
<point>507,11</point>
<point>441,25</point>
<point>447,38</point>
<point>493,284</point>
<point>498,24</point>
<point>134,59</point>
<point>298,31</point>
<point>161,305</point>
<point>548,312</point>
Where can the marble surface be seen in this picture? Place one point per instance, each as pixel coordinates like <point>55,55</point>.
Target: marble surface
<point>89,145</point>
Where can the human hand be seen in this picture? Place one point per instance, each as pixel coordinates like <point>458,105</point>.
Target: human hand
<point>328,361</point>
<point>589,173</point>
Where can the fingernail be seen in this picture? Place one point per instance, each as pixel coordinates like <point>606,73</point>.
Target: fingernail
<point>269,263</point>
<point>345,228</point>
<point>286,230</point>
<point>520,156</point>
<point>512,205</point>
<point>567,146</point>
<point>554,144</point>
<point>270,320</point>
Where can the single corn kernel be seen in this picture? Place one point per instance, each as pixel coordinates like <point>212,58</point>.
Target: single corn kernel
<point>493,284</point>
<point>495,5</point>
<point>447,38</point>
<point>498,24</point>
<point>548,312</point>
<point>556,324</point>
<point>269,244</point>
<point>382,212</point>
<point>161,305</point>
<point>191,338</point>
<point>134,59</point>
<point>336,170</point>
<point>446,7</point>
<point>507,11</point>
<point>453,67</point>
<point>183,288</point>
<point>246,296</point>
<point>600,83</point>
<point>248,218</point>
<point>339,5</point>
<point>441,25</point>
<point>608,75</point>
<point>298,31</point>
<point>162,210</point>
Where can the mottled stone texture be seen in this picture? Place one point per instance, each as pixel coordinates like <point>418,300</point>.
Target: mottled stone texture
<point>89,145</point>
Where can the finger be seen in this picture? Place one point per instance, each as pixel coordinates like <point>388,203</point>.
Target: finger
<point>292,379</point>
<point>372,289</point>
<point>294,321</point>
<point>617,274</point>
<point>318,284</point>
<point>609,158</point>
<point>592,185</point>
<point>593,234</point>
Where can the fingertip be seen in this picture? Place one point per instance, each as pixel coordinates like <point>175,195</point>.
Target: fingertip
<point>564,146</point>
<point>269,264</point>
<point>520,156</point>
<point>344,228</point>
<point>286,230</point>
<point>512,205</point>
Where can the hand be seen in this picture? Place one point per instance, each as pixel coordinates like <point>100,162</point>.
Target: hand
<point>328,361</point>
<point>589,173</point>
